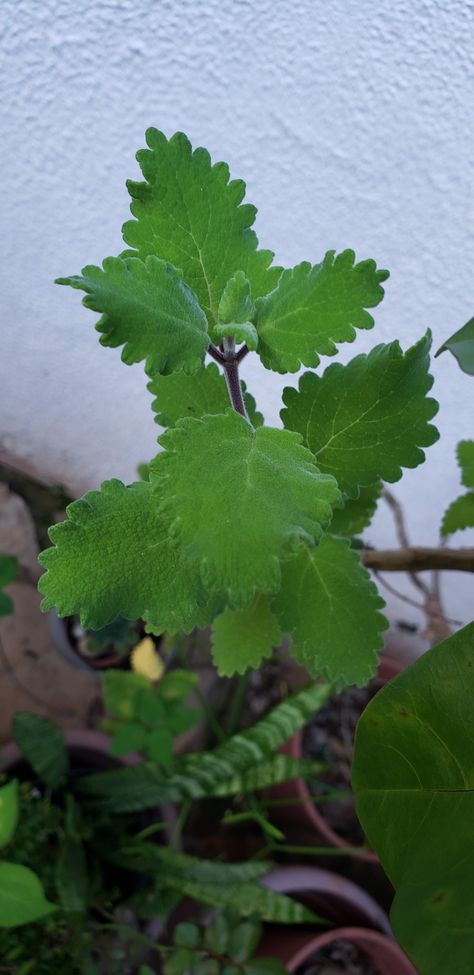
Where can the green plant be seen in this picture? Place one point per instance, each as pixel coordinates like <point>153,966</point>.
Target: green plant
<point>460,514</point>
<point>226,946</point>
<point>233,528</point>
<point>414,783</point>
<point>8,573</point>
<point>146,716</point>
<point>118,637</point>
<point>22,896</point>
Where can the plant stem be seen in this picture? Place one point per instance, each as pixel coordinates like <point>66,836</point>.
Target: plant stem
<point>417,559</point>
<point>231,372</point>
<point>237,703</point>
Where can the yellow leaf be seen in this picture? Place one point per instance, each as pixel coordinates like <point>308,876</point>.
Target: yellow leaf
<point>146,661</point>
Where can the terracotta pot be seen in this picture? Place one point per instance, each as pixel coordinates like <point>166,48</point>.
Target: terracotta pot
<point>329,895</point>
<point>293,948</point>
<point>353,912</point>
<point>303,814</point>
<point>60,632</point>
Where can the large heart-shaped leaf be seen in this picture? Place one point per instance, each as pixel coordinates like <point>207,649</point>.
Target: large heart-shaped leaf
<point>414,783</point>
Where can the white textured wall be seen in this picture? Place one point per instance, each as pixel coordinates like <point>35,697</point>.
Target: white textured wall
<point>351,121</point>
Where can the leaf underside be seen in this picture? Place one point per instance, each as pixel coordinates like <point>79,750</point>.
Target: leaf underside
<point>188,213</point>
<point>413,777</point>
<point>368,419</point>
<point>270,496</point>
<point>461,345</point>
<point>313,307</point>
<point>330,607</point>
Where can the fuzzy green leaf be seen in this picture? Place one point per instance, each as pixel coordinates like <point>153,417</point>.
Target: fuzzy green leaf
<point>236,303</point>
<point>459,515</point>
<point>43,746</point>
<point>113,557</point>
<point>461,345</point>
<point>147,308</point>
<point>465,454</point>
<point>240,332</point>
<point>180,395</point>
<point>356,513</point>
<point>368,419</point>
<point>313,307</point>
<point>242,638</point>
<point>330,607</point>
<point>268,491</point>
<point>8,811</point>
<point>22,897</point>
<point>187,212</point>
<point>413,777</point>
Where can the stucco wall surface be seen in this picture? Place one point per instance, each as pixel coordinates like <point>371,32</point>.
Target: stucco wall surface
<point>352,125</point>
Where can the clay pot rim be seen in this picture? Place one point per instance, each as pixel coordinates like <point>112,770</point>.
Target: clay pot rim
<point>363,938</point>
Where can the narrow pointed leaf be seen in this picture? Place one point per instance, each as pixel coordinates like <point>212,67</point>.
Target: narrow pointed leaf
<point>270,495</point>
<point>330,607</point>
<point>181,395</point>
<point>413,777</point>
<point>113,557</point>
<point>187,212</point>
<point>368,419</point>
<point>313,307</point>
<point>242,638</point>
<point>147,308</point>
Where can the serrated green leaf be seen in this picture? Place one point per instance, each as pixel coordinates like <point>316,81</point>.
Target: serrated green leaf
<point>43,746</point>
<point>413,777</point>
<point>356,513</point>
<point>313,307</point>
<point>147,308</point>
<point>22,897</point>
<point>8,811</point>
<point>113,557</point>
<point>368,419</point>
<point>270,495</point>
<point>240,332</point>
<point>459,515</point>
<point>465,452</point>
<point>242,638</point>
<point>330,607</point>
<point>187,212</point>
<point>180,395</point>
<point>236,303</point>
<point>461,345</point>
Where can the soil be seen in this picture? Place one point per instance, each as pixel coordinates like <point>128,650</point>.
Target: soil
<point>338,958</point>
<point>329,738</point>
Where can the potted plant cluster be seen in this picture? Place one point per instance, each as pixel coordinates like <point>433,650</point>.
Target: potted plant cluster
<point>252,534</point>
